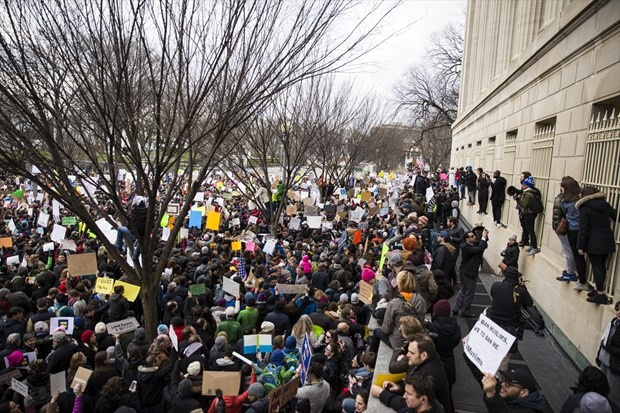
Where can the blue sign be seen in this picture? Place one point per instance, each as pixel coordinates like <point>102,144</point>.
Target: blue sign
<point>195,219</point>
<point>306,357</point>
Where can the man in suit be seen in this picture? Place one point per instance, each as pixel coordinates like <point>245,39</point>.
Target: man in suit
<point>468,271</point>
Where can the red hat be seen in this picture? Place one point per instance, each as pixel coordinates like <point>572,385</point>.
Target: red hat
<point>410,244</point>
<point>86,335</point>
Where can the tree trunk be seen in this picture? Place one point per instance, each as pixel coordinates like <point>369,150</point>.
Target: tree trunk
<point>148,295</point>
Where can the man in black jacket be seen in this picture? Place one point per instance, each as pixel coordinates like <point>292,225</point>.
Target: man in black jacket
<point>498,195</point>
<point>60,357</point>
<point>468,271</point>
<point>279,319</point>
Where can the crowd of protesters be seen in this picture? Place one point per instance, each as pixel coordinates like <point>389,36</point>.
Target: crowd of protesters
<point>406,246</point>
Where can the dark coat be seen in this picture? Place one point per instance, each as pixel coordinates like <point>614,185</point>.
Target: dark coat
<point>470,181</point>
<point>443,259</point>
<point>498,188</point>
<point>320,280</point>
<point>118,307</point>
<point>511,256</point>
<point>595,234</point>
<point>9,327</point>
<point>151,382</point>
<point>446,334</point>
<point>472,258</point>
<point>61,357</point>
<point>281,321</point>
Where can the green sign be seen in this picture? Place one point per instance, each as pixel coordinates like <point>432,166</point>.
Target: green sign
<point>198,289</point>
<point>69,220</point>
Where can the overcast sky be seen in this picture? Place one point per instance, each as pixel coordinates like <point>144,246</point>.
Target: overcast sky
<point>413,23</point>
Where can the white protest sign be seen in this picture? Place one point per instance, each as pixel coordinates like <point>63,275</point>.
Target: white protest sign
<point>123,326</point>
<point>231,287</point>
<point>314,222</point>
<point>252,220</point>
<point>269,246</point>
<point>14,260</point>
<point>294,224</point>
<point>429,194</point>
<point>65,323</point>
<point>55,208</point>
<point>236,222</point>
<point>49,246</point>
<point>35,170</point>
<point>107,229</point>
<point>184,233</point>
<point>58,383</point>
<point>487,344</point>
<point>19,387</point>
<point>43,219</point>
<point>68,244</point>
<point>173,337</point>
<point>58,233</point>
<point>165,234</point>
<point>12,226</point>
<point>200,197</point>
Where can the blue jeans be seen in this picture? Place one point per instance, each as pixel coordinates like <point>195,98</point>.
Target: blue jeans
<point>120,232</point>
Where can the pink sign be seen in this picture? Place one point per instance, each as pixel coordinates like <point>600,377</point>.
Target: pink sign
<point>250,246</point>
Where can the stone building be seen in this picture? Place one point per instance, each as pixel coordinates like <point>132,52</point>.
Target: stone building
<point>540,92</point>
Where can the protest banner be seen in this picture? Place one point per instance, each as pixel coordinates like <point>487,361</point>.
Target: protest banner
<point>365,293</point>
<point>19,387</point>
<point>281,395</point>
<point>291,288</point>
<point>62,322</point>
<point>198,289</point>
<point>172,209</point>
<point>82,264</point>
<point>394,378</point>
<point>314,222</point>
<point>104,285</point>
<point>82,375</point>
<point>6,377</point>
<point>213,220</point>
<point>231,287</point>
<point>291,210</point>
<point>123,326</point>
<point>58,383</point>
<point>69,221</point>
<point>270,246</point>
<point>306,358</point>
<point>235,245</point>
<point>227,381</point>
<point>131,291</point>
<point>6,242</point>
<point>195,219</point>
<point>487,344</point>
<point>254,343</point>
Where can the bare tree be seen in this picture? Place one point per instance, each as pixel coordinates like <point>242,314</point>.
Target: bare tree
<point>149,86</point>
<point>429,92</point>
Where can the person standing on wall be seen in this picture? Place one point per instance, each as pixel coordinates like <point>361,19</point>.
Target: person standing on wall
<point>527,214</point>
<point>575,263</point>
<point>482,186</point>
<point>596,237</point>
<point>470,183</point>
<point>498,195</point>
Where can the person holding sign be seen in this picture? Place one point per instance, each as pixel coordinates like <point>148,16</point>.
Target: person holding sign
<point>517,393</point>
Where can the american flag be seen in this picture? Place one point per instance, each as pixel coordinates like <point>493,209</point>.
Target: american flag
<point>241,269</point>
<point>342,241</point>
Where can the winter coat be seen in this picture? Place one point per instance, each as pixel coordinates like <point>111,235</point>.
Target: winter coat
<point>532,403</point>
<point>472,258</point>
<point>558,212</point>
<point>107,405</point>
<point>446,334</point>
<point>426,285</point>
<point>232,329</point>
<point>60,358</point>
<point>118,307</point>
<point>396,309</point>
<point>524,203</point>
<point>511,256</point>
<point>595,234</point>
<point>151,382</point>
<point>320,280</point>
<point>9,327</point>
<point>281,321</point>
<point>470,181</point>
<point>610,348</point>
<point>138,218</point>
<point>499,189</point>
<point>443,258</point>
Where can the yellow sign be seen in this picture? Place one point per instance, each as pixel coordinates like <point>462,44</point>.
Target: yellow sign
<point>394,378</point>
<point>104,285</point>
<point>131,291</point>
<point>236,245</point>
<point>213,220</point>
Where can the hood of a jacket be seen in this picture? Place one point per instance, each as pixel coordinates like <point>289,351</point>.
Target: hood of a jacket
<point>445,326</point>
<point>534,400</point>
<point>595,201</point>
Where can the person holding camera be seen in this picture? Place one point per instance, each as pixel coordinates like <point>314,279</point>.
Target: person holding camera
<point>468,271</point>
<point>507,299</point>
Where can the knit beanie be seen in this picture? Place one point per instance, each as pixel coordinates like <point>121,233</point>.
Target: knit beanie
<point>194,368</point>
<point>529,182</point>
<point>86,335</point>
<point>367,275</point>
<point>277,357</point>
<point>15,359</point>
<point>257,390</point>
<point>442,308</point>
<point>100,328</point>
<point>220,342</point>
<point>290,343</point>
<point>162,329</point>
<point>511,273</point>
<point>139,334</point>
<point>185,388</point>
<point>355,298</point>
<point>410,244</point>
<point>344,298</point>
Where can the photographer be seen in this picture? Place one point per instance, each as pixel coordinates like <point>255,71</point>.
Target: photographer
<point>507,299</point>
<point>526,200</point>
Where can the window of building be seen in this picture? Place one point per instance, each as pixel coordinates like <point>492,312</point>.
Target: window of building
<point>490,156</point>
<point>507,169</point>
<point>542,152</point>
<point>601,166</point>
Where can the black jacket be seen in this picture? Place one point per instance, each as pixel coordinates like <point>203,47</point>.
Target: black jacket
<point>421,184</point>
<point>443,259</point>
<point>532,403</point>
<point>323,320</point>
<point>595,234</point>
<point>446,334</point>
<point>138,218</point>
<point>511,256</point>
<point>151,382</point>
<point>61,357</point>
<point>472,258</point>
<point>507,299</point>
<point>470,181</point>
<point>118,307</point>
<point>499,189</point>
<point>320,280</point>
<point>281,321</point>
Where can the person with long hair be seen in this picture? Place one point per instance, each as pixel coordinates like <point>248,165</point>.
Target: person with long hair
<point>595,238</point>
<point>113,396</point>
<point>103,372</point>
<point>77,360</point>
<point>564,208</point>
<point>301,328</point>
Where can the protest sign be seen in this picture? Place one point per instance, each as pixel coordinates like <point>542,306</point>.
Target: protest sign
<point>365,196</point>
<point>58,233</point>
<point>291,288</point>
<point>294,224</point>
<point>131,291</point>
<point>227,381</point>
<point>308,201</point>
<point>68,244</point>
<point>173,209</point>
<point>280,396</point>
<point>291,210</point>
<point>12,226</point>
<point>165,234</point>
<point>19,387</point>
<point>250,246</point>
<point>69,220</point>
<point>48,246</point>
<point>200,197</point>
<point>58,383</point>
<point>55,208</point>
<point>231,286</point>
<point>65,323</point>
<point>384,251</point>
<point>213,220</point>
<point>235,245</point>
<point>195,219</point>
<point>104,285</point>
<point>6,242</point>
<point>123,326</point>
<point>487,344</point>
<point>235,222</point>
<point>429,194</point>
<point>311,210</point>
<point>164,221</point>
<point>174,339</point>
<point>327,225</point>
<point>394,378</point>
<point>43,219</point>
<point>270,246</point>
<point>6,377</point>
<point>198,289</point>
<point>314,222</point>
<point>252,220</point>
<point>306,357</point>
<point>184,233</point>
<point>330,210</point>
<point>82,375</point>
<point>13,260</point>
<point>254,343</point>
<point>365,293</point>
<point>26,359</point>
<point>82,264</point>
<point>108,229</point>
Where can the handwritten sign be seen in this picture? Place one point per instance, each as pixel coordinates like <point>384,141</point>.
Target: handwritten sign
<point>254,343</point>
<point>291,210</point>
<point>19,387</point>
<point>124,326</point>
<point>6,377</point>
<point>291,288</point>
<point>231,287</point>
<point>82,264</point>
<point>270,246</point>
<point>131,291</point>
<point>58,383</point>
<point>82,375</point>
<point>235,245</point>
<point>104,285</point>
<point>172,209</point>
<point>69,220</point>
<point>198,289</point>
<point>6,242</point>
<point>365,293</point>
<point>227,381</point>
<point>281,395</point>
<point>487,344</point>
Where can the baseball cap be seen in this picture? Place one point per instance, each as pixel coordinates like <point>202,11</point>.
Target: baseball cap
<point>520,378</point>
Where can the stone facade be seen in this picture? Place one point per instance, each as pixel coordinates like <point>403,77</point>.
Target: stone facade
<point>541,79</point>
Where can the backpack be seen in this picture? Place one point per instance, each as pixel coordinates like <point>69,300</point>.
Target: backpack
<point>536,205</point>
<point>408,309</point>
<point>291,360</point>
<point>270,377</point>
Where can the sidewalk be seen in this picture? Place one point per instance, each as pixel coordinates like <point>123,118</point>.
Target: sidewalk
<point>551,368</point>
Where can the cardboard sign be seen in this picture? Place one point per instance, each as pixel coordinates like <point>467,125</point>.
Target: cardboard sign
<point>394,378</point>
<point>6,242</point>
<point>227,381</point>
<point>255,343</point>
<point>365,196</point>
<point>124,326</point>
<point>314,222</point>
<point>58,233</point>
<point>65,323</point>
<point>131,290</point>
<point>231,287</point>
<point>82,264</point>
<point>306,358</point>
<point>235,222</point>
<point>280,396</point>
<point>198,289</point>
<point>213,220</point>
<point>6,377</point>
<point>104,285</point>
<point>82,375</point>
<point>291,288</point>
<point>69,221</point>
<point>365,293</point>
<point>487,344</point>
<point>235,245</point>
<point>19,387</point>
<point>58,383</point>
<point>195,219</point>
<point>173,209</point>
<point>330,210</point>
<point>291,210</point>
